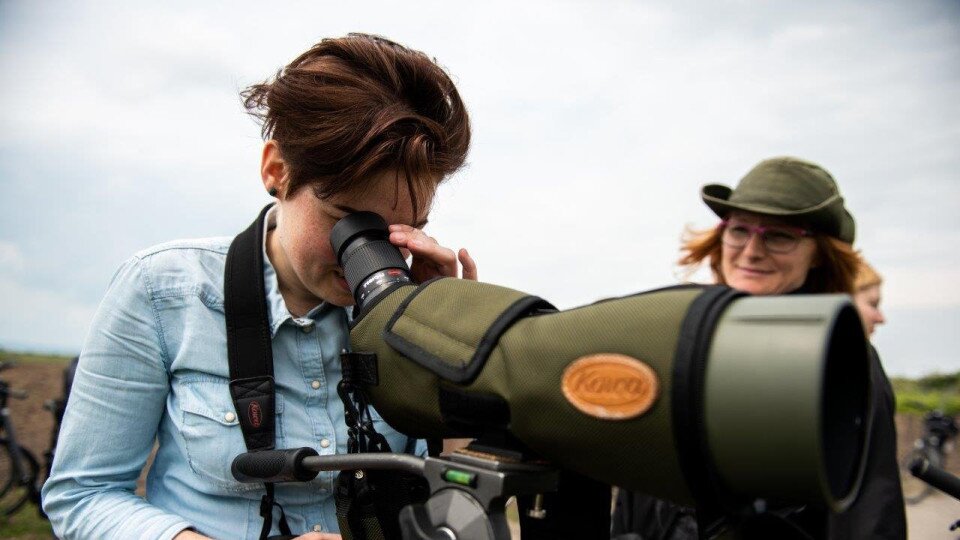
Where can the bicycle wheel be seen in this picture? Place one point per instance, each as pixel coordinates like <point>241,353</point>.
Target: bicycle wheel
<point>19,488</point>
<point>914,489</point>
<point>6,468</point>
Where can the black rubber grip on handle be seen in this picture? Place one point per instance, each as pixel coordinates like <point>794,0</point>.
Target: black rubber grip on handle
<point>936,477</point>
<point>273,466</point>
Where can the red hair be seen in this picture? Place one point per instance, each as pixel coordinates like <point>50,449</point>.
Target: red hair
<point>834,270</point>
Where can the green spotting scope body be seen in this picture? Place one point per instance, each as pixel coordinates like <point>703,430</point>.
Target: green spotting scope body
<point>686,393</point>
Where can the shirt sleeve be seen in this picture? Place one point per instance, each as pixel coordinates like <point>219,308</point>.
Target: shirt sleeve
<point>116,403</point>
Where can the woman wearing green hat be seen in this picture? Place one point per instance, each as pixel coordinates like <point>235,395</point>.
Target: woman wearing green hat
<point>785,230</point>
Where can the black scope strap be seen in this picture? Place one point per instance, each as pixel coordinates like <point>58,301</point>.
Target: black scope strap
<point>355,494</point>
<point>689,367</point>
<point>250,352</point>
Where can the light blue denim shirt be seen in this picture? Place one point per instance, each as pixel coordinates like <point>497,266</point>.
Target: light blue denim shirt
<point>154,367</point>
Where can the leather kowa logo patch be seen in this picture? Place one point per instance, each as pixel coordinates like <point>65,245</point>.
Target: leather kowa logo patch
<point>610,386</point>
<point>254,414</point>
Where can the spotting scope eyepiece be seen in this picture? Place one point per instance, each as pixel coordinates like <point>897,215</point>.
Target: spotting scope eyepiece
<point>371,264</point>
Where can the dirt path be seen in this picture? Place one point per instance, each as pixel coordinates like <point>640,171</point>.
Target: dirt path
<point>932,517</point>
<point>32,422</point>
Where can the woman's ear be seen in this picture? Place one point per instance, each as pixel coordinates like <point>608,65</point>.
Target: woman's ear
<point>273,169</point>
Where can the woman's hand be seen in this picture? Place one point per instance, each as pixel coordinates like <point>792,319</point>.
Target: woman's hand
<point>430,259</point>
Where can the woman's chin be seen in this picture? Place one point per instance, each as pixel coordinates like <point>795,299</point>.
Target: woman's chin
<point>752,286</point>
<point>331,291</point>
<point>341,298</point>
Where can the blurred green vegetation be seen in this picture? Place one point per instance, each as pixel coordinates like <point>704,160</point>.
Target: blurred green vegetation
<point>33,358</point>
<point>26,525</point>
<point>937,391</point>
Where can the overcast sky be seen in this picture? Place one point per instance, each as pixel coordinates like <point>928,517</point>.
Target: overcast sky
<point>595,124</point>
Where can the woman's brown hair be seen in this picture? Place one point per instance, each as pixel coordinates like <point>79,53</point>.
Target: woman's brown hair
<point>834,272</point>
<point>353,107</point>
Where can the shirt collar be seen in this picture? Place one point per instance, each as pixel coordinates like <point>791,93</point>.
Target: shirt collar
<point>277,311</point>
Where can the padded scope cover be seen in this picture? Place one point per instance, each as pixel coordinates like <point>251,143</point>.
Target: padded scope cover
<point>685,392</point>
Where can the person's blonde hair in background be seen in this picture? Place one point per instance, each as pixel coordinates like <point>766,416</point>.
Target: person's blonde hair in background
<point>867,296</point>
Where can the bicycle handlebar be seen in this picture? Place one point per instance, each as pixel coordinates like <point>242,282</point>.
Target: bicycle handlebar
<point>936,477</point>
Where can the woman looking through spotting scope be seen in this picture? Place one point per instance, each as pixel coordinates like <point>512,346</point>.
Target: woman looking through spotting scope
<point>785,230</point>
<point>357,123</point>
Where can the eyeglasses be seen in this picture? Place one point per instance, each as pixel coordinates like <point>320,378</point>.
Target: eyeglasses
<point>775,239</point>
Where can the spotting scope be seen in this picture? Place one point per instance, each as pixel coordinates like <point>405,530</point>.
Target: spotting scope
<point>696,394</point>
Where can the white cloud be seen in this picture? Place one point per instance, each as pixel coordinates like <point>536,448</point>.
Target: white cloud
<point>11,260</point>
<point>595,127</point>
<point>39,318</point>
<point>913,287</point>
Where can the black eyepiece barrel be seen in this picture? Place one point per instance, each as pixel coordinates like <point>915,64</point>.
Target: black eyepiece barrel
<point>371,264</point>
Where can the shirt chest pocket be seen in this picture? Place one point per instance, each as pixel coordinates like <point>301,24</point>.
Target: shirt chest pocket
<point>211,432</point>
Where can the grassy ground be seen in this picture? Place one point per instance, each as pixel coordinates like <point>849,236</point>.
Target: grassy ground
<point>33,358</point>
<point>25,525</point>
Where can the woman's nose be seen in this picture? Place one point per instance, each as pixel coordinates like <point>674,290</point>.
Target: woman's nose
<point>754,246</point>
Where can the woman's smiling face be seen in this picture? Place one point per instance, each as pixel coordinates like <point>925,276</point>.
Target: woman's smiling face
<point>753,268</point>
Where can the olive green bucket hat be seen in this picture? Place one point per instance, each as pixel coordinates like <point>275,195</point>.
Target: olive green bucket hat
<point>788,188</point>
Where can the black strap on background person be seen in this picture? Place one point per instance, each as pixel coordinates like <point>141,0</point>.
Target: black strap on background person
<point>250,353</point>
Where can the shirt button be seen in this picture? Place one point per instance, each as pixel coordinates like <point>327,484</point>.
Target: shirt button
<point>306,325</point>
<point>315,385</point>
<point>317,528</point>
<point>324,443</point>
<point>229,417</point>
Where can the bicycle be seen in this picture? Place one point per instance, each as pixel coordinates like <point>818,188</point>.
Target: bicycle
<point>938,432</point>
<point>57,408</point>
<point>19,469</point>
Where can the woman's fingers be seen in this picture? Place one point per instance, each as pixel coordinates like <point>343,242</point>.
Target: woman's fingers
<point>421,245</point>
<point>468,264</point>
<point>430,259</point>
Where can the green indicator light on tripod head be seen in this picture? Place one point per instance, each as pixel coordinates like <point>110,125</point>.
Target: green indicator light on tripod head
<point>460,477</point>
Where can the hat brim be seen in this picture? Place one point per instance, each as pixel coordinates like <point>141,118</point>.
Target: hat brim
<point>821,217</point>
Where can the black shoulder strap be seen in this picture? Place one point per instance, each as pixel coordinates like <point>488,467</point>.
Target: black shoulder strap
<point>250,352</point>
<point>249,348</point>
